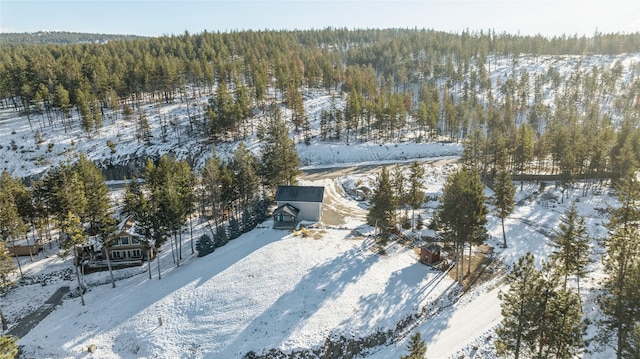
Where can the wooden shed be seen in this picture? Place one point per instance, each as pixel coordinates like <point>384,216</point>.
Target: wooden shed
<point>430,254</point>
<point>23,250</point>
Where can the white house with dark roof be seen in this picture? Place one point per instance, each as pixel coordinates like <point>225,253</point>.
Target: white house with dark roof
<point>297,203</point>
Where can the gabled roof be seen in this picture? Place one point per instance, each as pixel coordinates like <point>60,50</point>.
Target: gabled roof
<point>287,209</point>
<point>299,194</point>
<point>128,226</point>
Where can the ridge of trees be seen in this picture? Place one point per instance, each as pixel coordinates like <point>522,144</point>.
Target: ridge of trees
<point>60,37</point>
<point>392,82</point>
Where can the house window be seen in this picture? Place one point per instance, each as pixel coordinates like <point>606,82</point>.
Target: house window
<point>124,240</point>
<point>116,242</point>
<point>134,241</point>
<point>136,253</point>
<point>115,255</point>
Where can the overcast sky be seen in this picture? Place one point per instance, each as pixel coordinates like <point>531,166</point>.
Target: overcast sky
<point>160,17</point>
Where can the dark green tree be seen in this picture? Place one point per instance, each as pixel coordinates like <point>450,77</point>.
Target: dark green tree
<point>211,192</point>
<point>221,238</point>
<point>138,205</point>
<point>399,189</point>
<point>415,192</point>
<point>106,230</point>
<point>6,265</point>
<point>461,215</point>
<point>204,245</point>
<point>245,180</point>
<point>620,292</point>
<point>382,206</point>
<point>571,246</point>
<point>95,191</point>
<point>234,228</point>
<point>540,320</point>
<point>280,161</point>
<point>525,142</point>
<point>416,348</point>
<point>11,224</point>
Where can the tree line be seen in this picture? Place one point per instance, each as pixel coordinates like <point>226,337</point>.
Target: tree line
<point>395,82</point>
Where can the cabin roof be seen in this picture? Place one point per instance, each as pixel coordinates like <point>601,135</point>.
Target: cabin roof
<point>299,194</point>
<point>287,209</point>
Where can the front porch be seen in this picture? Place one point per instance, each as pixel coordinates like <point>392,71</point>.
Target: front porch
<point>285,217</point>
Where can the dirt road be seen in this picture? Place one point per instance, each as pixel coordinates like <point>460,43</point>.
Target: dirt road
<point>339,210</point>
<point>313,174</point>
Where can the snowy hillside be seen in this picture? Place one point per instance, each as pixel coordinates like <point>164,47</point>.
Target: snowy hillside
<point>271,290</point>
<point>26,154</point>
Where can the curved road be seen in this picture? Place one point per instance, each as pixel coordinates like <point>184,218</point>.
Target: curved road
<point>312,174</point>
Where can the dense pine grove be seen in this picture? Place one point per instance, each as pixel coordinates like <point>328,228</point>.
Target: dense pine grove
<point>394,82</point>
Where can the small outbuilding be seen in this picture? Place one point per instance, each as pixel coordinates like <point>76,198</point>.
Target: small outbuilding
<point>430,254</point>
<point>297,203</point>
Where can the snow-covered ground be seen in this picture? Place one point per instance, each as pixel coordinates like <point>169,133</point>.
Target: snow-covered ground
<point>270,289</point>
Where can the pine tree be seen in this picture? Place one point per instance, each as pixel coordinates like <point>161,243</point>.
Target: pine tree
<point>61,100</point>
<point>8,347</point>
<point>85,112</point>
<point>95,191</point>
<point>260,208</point>
<point>399,190</point>
<point>516,330</point>
<point>571,246</point>
<point>248,222</point>
<point>416,348</point>
<point>22,199</point>
<point>211,185</point>
<point>524,148</point>
<point>540,319</point>
<point>419,222</point>
<point>220,238</point>
<point>11,224</point>
<point>245,178</point>
<point>503,199</point>
<point>280,161</point>
<point>382,206</point>
<point>6,265</point>
<point>234,228</point>
<point>461,215</point>
<point>204,245</point>
<point>620,292</point>
<point>415,193</point>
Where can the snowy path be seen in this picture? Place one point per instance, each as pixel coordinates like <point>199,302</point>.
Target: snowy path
<point>31,320</point>
<point>445,336</point>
